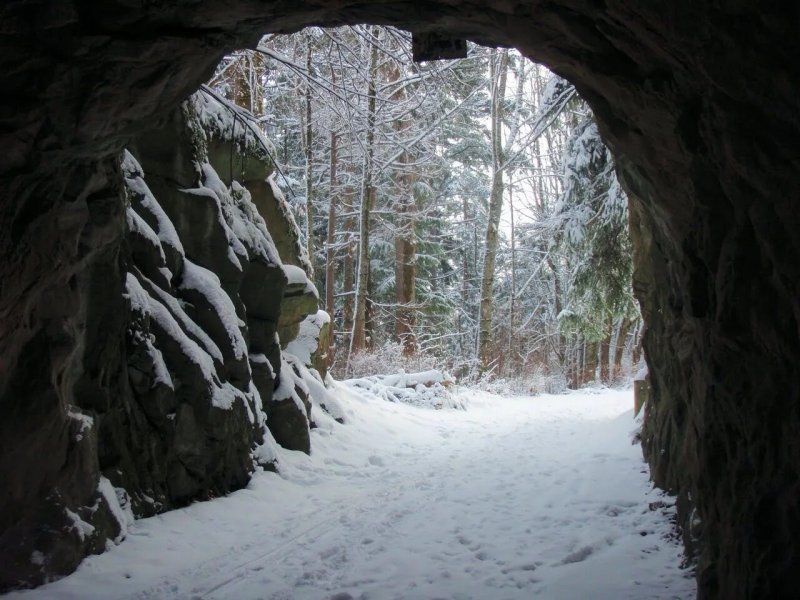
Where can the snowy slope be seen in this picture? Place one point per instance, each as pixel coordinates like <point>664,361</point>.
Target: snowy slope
<point>513,498</point>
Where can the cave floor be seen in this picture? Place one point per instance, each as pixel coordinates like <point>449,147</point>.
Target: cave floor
<point>513,498</point>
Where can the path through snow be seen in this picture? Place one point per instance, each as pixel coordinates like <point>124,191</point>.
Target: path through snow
<point>514,498</point>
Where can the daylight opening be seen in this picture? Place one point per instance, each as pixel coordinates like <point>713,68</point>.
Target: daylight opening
<point>460,217</point>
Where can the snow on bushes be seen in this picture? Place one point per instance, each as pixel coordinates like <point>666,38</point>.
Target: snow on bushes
<point>388,358</point>
<point>427,388</point>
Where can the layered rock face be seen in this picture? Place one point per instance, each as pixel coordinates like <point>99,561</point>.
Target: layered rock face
<point>196,339</point>
<point>699,103</point>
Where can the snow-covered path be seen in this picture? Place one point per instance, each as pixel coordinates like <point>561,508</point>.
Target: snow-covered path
<point>514,498</point>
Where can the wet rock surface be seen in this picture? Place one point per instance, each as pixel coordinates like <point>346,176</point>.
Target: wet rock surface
<point>698,102</point>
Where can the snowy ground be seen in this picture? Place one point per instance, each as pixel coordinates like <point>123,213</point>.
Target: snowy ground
<point>514,498</point>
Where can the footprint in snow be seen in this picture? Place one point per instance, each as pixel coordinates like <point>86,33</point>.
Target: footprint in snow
<point>375,461</point>
<point>530,567</point>
<point>578,556</point>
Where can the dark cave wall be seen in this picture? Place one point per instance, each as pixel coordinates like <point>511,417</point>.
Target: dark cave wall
<point>180,386</point>
<point>699,103</point>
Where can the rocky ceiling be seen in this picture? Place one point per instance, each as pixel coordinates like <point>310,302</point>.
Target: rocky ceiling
<point>699,102</point>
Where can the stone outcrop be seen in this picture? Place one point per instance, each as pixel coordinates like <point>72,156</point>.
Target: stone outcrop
<point>699,103</point>
<point>312,343</point>
<point>207,304</point>
<point>246,293</point>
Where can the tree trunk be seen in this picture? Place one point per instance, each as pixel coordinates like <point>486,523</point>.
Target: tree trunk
<point>309,167</point>
<point>621,345</point>
<point>638,338</point>
<point>330,251</point>
<point>487,278</point>
<point>571,354</point>
<point>349,275</point>
<point>358,340</point>
<point>499,71</point>
<point>512,303</point>
<point>590,366</point>
<point>405,247</point>
<point>559,344</point>
<point>331,237</point>
<point>605,346</point>
<point>405,281</point>
<point>465,278</point>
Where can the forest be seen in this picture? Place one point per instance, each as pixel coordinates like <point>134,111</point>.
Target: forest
<point>459,214</point>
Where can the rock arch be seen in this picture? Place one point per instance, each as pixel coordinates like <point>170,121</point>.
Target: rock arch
<point>698,102</point>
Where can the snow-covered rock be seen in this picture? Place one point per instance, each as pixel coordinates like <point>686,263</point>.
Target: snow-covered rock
<point>207,291</point>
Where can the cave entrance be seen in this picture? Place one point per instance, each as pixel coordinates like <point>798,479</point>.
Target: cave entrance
<point>698,103</point>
